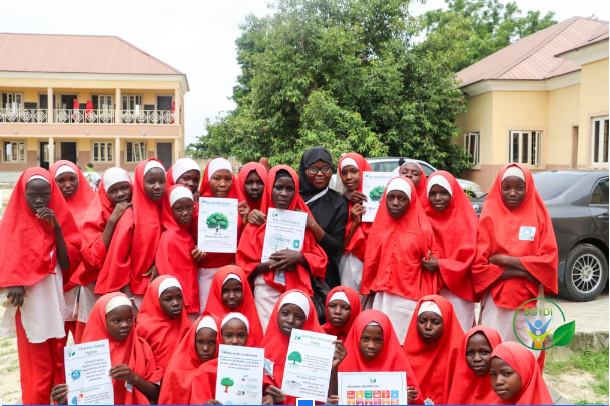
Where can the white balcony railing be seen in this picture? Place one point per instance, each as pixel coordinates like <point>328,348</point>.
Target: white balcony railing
<point>148,117</point>
<point>66,116</point>
<point>70,116</point>
<point>23,115</point>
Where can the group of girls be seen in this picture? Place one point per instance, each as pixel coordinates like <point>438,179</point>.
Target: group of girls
<point>122,264</point>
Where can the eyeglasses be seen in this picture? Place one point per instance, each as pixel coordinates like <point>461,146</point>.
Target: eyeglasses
<point>313,170</point>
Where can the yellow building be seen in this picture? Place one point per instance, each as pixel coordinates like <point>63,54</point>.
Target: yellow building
<point>87,99</point>
<point>541,101</point>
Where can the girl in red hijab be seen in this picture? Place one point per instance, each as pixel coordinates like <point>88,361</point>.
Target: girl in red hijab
<point>231,293</point>
<point>286,269</point>
<point>342,308</point>
<point>393,278</point>
<point>516,378</point>
<point>162,320</point>
<point>455,229</point>
<point>516,257</point>
<point>42,251</point>
<point>185,172</point>
<point>133,363</point>
<point>433,346</point>
<point>414,171</point>
<point>198,346</point>
<point>251,182</point>
<point>471,385</point>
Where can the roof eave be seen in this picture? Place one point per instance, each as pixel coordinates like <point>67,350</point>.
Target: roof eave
<point>586,53</point>
<point>532,85</point>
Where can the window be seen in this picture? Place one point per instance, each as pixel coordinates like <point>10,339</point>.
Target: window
<point>524,147</point>
<point>11,102</point>
<point>102,102</point>
<point>130,101</point>
<point>600,193</point>
<point>102,152</point>
<point>600,140</point>
<point>135,151</point>
<point>14,151</point>
<point>471,144</point>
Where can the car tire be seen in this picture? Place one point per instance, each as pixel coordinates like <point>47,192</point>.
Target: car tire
<point>586,273</point>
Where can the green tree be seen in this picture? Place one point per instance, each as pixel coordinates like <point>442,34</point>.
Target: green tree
<point>377,193</point>
<point>217,221</point>
<point>295,357</point>
<point>227,383</point>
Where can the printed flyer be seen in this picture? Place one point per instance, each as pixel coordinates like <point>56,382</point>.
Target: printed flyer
<point>285,229</point>
<point>87,366</point>
<point>240,375</point>
<point>372,388</point>
<point>373,186</point>
<point>217,228</point>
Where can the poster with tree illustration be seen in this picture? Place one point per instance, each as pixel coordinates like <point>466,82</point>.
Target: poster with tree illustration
<point>295,357</point>
<point>373,187</point>
<point>239,375</point>
<point>217,227</point>
<point>227,383</point>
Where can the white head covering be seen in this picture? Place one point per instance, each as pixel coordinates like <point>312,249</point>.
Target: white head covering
<point>178,193</point>
<point>429,306</point>
<point>297,299</point>
<point>34,177</point>
<point>237,316</point>
<point>182,166</point>
<point>153,164</point>
<point>399,184</point>
<point>441,181</point>
<point>231,276</point>
<point>218,164</point>
<point>115,175</point>
<point>339,296</point>
<point>514,171</point>
<point>207,322</point>
<point>373,323</point>
<point>64,169</point>
<point>117,301</point>
<point>169,283</point>
<point>348,161</point>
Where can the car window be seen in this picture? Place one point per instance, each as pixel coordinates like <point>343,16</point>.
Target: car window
<point>428,170</point>
<point>388,166</point>
<point>552,184</point>
<point>600,193</point>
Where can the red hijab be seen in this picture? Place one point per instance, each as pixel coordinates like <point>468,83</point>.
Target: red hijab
<point>160,331</point>
<point>422,190</point>
<point>29,241</point>
<point>498,233</point>
<point>394,251</point>
<point>434,364</point>
<point>203,386</point>
<point>261,171</point>
<point>247,307</point>
<point>250,246</point>
<point>390,359</point>
<point>174,253</point>
<point>357,245</point>
<point>534,390</point>
<point>354,302</point>
<point>176,388</point>
<point>182,166</point>
<point>133,351</point>
<point>79,203</point>
<point>455,231</point>
<point>468,388</point>
<point>276,343</point>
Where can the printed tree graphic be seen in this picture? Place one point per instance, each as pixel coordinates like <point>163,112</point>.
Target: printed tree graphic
<point>295,357</point>
<point>217,221</point>
<point>227,383</point>
<point>377,193</point>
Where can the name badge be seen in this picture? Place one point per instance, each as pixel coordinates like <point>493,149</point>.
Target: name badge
<point>527,233</point>
<point>129,386</point>
<point>280,277</point>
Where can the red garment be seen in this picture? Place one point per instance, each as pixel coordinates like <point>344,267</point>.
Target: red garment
<point>422,188</point>
<point>468,388</point>
<point>261,171</point>
<point>88,109</point>
<point>499,229</point>
<point>250,246</point>
<point>394,251</point>
<point>247,306</point>
<point>161,332</point>
<point>455,231</point>
<point>176,387</point>
<point>203,387</point>
<point>133,351</point>
<point>534,390</point>
<point>276,344</point>
<point>354,302</point>
<point>390,359</point>
<point>25,257</point>
<point>434,364</point>
<point>357,244</point>
<point>174,254</point>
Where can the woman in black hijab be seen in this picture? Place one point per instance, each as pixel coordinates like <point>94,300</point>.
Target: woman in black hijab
<point>328,207</point>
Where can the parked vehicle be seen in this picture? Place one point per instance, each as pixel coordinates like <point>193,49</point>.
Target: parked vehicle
<point>578,205</point>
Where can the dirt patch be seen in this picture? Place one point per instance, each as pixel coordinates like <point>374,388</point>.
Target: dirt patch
<point>575,385</point>
<point>10,382</point>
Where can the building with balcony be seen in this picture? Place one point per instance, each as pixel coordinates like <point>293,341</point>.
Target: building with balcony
<point>87,99</point>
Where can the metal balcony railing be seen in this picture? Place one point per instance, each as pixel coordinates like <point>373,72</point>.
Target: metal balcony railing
<point>83,116</point>
<point>8,115</point>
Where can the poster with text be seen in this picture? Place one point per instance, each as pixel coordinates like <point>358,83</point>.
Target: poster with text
<point>239,378</point>
<point>217,228</point>
<point>87,366</point>
<point>373,186</point>
<point>372,388</point>
<point>284,230</point>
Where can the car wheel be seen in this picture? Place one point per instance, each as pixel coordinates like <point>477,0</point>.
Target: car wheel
<point>586,273</point>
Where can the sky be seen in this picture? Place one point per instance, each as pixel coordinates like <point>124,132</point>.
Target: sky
<point>198,37</point>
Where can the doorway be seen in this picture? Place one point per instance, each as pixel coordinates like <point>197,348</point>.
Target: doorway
<point>43,152</point>
<point>164,103</point>
<point>575,147</point>
<point>68,151</point>
<point>164,153</point>
<point>67,101</point>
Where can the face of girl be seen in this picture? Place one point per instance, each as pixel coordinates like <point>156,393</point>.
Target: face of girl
<point>513,192</point>
<point>338,313</point>
<point>154,184</point>
<point>232,294</point>
<point>290,316</point>
<point>283,193</point>
<point>119,322</point>
<point>319,174</point>
<point>412,171</point>
<point>235,332</point>
<point>397,203</point>
<point>439,198</point>
<point>172,302</point>
<point>254,186</point>
<point>205,344</point>
<point>350,176</point>
<point>478,352</point>
<point>221,182</point>
<point>371,342</point>
<point>190,179</point>
<point>505,381</point>
<point>119,192</point>
<point>37,194</point>
<point>67,183</point>
<point>182,210</point>
<point>430,327</point>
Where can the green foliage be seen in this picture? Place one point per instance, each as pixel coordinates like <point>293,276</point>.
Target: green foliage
<point>295,357</point>
<point>217,221</point>
<point>377,193</point>
<point>227,383</point>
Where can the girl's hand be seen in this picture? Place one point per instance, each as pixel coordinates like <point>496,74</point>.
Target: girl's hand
<point>286,259</point>
<point>153,273</point>
<point>267,400</point>
<point>256,218</point>
<point>355,196</point>
<point>16,294</point>
<point>411,394</point>
<point>122,372</point>
<point>243,209</point>
<point>197,254</point>
<point>357,211</point>
<point>118,211</point>
<point>278,395</point>
<point>59,393</point>
<point>340,353</point>
<point>430,265</point>
<point>332,400</point>
<point>213,402</point>
<point>47,215</point>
